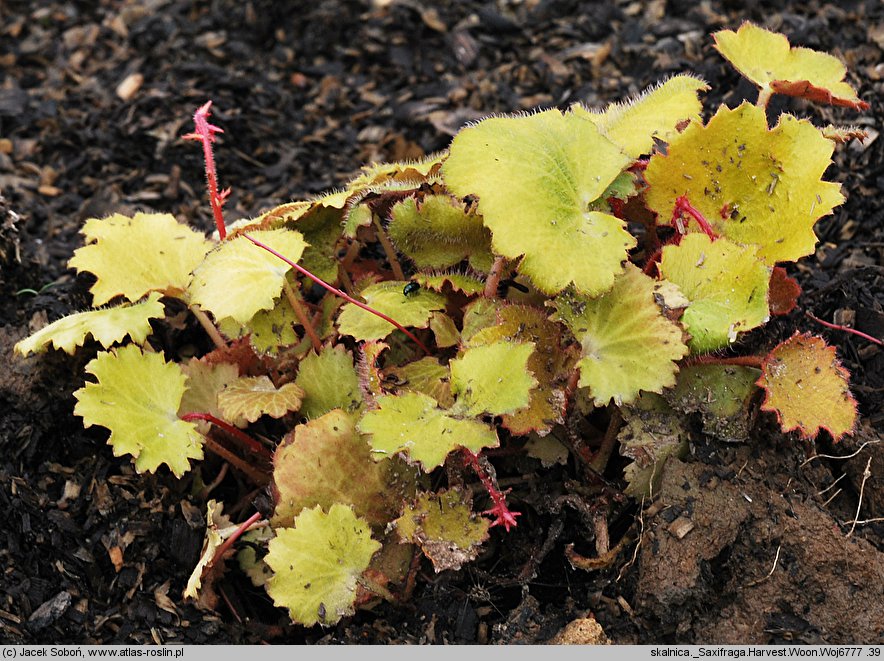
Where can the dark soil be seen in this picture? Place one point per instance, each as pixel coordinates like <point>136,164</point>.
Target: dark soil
<point>745,543</point>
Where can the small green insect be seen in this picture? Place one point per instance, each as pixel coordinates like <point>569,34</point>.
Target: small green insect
<point>411,288</point>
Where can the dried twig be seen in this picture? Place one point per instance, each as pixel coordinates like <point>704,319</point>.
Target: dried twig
<point>302,316</point>
<point>210,328</point>
<point>770,573</point>
<point>832,497</point>
<point>600,461</point>
<point>389,250</point>
<point>867,473</point>
<point>641,534</point>
<point>591,564</point>
<point>834,456</point>
<point>841,477</point>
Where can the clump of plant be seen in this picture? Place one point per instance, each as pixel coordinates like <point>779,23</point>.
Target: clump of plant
<point>374,346</point>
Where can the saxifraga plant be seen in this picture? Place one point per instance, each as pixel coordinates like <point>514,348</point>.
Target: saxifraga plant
<point>546,268</point>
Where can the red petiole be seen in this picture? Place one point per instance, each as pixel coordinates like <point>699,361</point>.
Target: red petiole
<point>239,532</point>
<point>839,327</point>
<point>741,361</point>
<point>684,206</point>
<point>336,291</point>
<point>250,443</point>
<point>502,513</point>
<point>205,133</point>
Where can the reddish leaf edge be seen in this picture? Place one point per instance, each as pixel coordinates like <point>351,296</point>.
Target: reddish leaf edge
<point>842,371</point>
<point>804,89</point>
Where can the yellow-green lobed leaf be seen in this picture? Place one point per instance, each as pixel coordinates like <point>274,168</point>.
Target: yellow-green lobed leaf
<point>275,218</point>
<point>480,314</point>
<point>767,59</point>
<point>319,225</point>
<point>437,232</point>
<point>806,386</point>
<point>336,199</point>
<point>107,327</point>
<point>137,397</point>
<point>412,310</point>
<point>250,397</point>
<point>316,564</point>
<point>444,526</point>
<point>753,185</point>
<point>247,556</point>
<point>633,125</point>
<point>268,330</point>
<point>358,216</point>
<point>725,283</point>
<point>444,330</point>
<point>493,378</point>
<point>535,176</point>
<point>325,461</point>
<point>132,256</point>
<point>321,229</point>
<point>416,172</point>
<point>550,363</point>
<point>329,381</point>
<point>238,278</point>
<point>627,344</point>
<point>414,424</point>
<point>427,376</point>
<point>723,394</point>
<point>204,381</point>
<point>468,284</point>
